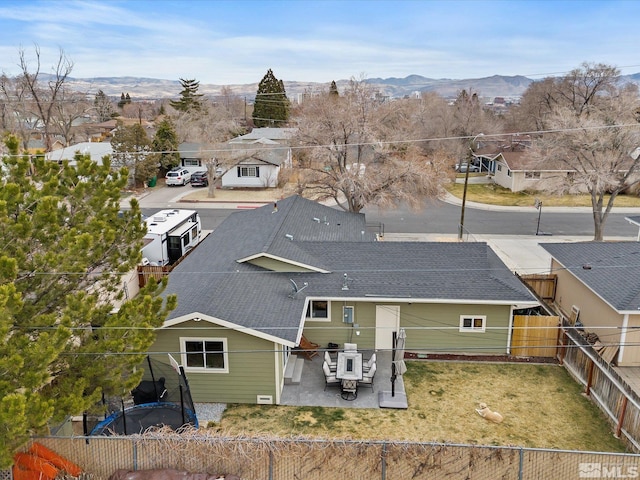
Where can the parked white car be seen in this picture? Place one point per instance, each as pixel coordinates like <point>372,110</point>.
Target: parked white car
<point>178,176</point>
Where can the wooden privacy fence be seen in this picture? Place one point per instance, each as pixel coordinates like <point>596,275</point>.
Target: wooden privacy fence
<point>290,459</point>
<point>145,272</point>
<point>534,336</point>
<point>603,385</point>
<point>543,285</point>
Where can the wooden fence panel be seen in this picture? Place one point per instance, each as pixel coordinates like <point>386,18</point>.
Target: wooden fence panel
<point>543,285</point>
<point>151,271</point>
<point>534,336</point>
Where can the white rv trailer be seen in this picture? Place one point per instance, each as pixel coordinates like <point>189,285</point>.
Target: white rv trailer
<point>170,235</point>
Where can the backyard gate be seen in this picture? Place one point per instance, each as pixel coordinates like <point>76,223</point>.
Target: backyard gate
<point>534,335</point>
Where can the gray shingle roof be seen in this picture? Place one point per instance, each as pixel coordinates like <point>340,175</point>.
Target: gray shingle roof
<point>211,281</point>
<point>613,273</point>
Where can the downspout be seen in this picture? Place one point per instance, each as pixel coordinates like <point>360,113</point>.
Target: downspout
<point>623,336</point>
<point>510,329</point>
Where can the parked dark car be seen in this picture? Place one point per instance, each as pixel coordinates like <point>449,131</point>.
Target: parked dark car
<point>199,179</point>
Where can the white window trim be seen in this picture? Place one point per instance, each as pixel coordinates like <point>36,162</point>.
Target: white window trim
<point>248,171</point>
<point>319,319</point>
<point>183,354</point>
<point>462,328</point>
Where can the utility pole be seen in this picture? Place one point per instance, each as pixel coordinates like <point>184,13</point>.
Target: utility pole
<point>466,183</point>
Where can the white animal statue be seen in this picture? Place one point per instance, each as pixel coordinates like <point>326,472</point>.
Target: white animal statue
<point>490,415</point>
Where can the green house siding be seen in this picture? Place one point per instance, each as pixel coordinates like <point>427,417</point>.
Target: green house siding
<point>251,364</point>
<point>435,328</point>
<point>430,327</point>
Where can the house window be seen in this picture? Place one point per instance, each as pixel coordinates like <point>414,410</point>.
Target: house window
<point>248,171</point>
<point>508,173</point>
<point>318,310</point>
<point>471,323</point>
<point>205,354</point>
<point>190,162</point>
<point>531,174</point>
<point>499,167</point>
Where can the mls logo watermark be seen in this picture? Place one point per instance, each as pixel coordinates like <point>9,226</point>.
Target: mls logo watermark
<point>607,470</point>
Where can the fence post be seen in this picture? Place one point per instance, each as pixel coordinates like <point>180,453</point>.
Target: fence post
<point>521,466</point>
<point>135,455</point>
<point>270,464</point>
<point>384,461</point>
<point>623,410</point>
<point>587,391</point>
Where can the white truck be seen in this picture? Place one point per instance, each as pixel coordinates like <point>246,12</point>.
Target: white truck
<point>170,235</point>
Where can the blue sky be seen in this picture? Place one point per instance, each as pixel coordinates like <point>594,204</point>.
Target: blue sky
<point>235,42</point>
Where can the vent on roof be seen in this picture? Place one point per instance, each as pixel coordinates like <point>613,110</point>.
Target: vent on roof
<point>289,236</point>
<point>159,218</point>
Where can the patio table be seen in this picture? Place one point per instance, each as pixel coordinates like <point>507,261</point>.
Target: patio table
<point>349,370</point>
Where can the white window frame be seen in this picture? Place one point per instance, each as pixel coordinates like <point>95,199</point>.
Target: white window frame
<point>248,171</point>
<point>183,354</point>
<point>472,328</point>
<point>310,310</point>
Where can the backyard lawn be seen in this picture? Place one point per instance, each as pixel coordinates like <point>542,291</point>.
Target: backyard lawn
<point>542,407</point>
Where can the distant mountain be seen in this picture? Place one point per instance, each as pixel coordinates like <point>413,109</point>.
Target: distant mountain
<point>153,88</point>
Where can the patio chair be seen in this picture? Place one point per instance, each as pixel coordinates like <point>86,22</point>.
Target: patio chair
<point>330,379</point>
<point>367,378</point>
<point>369,363</point>
<point>350,347</point>
<point>333,365</point>
<point>307,348</point>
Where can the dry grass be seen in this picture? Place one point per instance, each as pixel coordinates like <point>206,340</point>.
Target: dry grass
<point>542,407</point>
<point>495,195</point>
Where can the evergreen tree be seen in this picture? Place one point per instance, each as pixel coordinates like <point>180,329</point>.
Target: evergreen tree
<point>190,99</point>
<point>123,100</point>
<point>271,107</point>
<point>333,89</point>
<point>131,147</point>
<point>165,145</point>
<point>65,251</point>
<point>103,106</point>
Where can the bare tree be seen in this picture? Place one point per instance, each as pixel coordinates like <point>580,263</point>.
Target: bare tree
<point>71,108</point>
<point>349,153</point>
<point>595,138</point>
<point>44,100</point>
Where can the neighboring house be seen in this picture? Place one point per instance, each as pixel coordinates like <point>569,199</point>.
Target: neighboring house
<point>598,283</point>
<point>192,156</point>
<point>513,170</point>
<point>97,150</point>
<point>280,136</point>
<point>264,277</point>
<point>254,160</point>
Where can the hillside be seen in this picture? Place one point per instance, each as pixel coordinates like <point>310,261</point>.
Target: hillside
<point>152,88</point>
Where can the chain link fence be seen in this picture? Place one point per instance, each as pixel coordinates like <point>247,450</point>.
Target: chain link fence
<point>277,459</point>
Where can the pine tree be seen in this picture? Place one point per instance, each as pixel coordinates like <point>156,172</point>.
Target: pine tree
<point>103,106</point>
<point>131,147</point>
<point>123,100</point>
<point>333,89</point>
<point>65,251</point>
<point>271,107</point>
<point>190,99</point>
<point>165,145</point>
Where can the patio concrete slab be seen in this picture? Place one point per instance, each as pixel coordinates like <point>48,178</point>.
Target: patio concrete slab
<point>311,391</point>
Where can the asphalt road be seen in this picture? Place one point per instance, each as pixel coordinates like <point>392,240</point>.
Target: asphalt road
<point>435,217</point>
